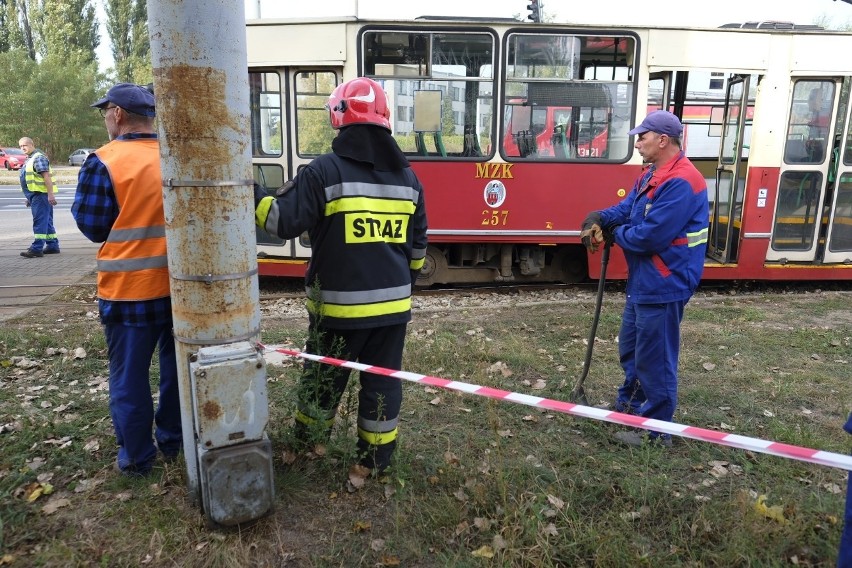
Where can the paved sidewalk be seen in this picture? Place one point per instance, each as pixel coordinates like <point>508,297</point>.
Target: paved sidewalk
<point>26,281</point>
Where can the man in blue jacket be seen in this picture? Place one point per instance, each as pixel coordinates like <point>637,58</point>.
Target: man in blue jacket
<point>662,228</point>
<point>844,557</point>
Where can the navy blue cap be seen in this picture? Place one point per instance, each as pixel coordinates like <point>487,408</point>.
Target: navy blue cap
<point>661,122</point>
<point>133,98</point>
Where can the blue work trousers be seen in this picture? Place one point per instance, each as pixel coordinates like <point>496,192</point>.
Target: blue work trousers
<point>649,346</point>
<point>131,405</point>
<point>44,233</point>
<point>844,556</point>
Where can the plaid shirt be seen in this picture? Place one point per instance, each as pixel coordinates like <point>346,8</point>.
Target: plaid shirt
<point>40,165</point>
<point>95,210</point>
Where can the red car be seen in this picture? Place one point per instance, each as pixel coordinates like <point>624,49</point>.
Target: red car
<point>12,158</point>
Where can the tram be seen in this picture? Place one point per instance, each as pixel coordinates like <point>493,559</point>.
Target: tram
<point>517,130</point>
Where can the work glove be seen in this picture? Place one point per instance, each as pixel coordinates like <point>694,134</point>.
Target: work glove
<point>592,234</point>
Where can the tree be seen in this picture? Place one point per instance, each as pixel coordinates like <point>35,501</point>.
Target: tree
<point>11,34</point>
<point>59,119</point>
<point>448,120</point>
<point>66,29</point>
<point>127,27</point>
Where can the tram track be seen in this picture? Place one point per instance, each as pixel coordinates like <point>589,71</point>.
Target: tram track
<point>83,295</point>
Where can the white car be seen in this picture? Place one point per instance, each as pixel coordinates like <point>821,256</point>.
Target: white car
<point>77,157</point>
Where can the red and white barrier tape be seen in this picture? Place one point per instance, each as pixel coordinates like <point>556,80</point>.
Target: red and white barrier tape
<point>820,457</point>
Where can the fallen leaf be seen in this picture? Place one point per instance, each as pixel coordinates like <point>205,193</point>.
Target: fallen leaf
<point>79,353</point>
<point>483,551</point>
<point>389,561</point>
<point>556,502</point>
<point>550,530</point>
<point>377,544</point>
<point>361,526</point>
<point>482,523</point>
<point>709,366</point>
<point>768,413</point>
<point>539,384</point>
<point>51,506</point>
<point>775,512</point>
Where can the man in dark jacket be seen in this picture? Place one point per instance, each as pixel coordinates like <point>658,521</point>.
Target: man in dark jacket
<point>364,211</point>
<point>844,556</point>
<point>662,228</point>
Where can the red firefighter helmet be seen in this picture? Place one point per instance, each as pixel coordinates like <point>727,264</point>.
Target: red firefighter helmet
<point>359,101</point>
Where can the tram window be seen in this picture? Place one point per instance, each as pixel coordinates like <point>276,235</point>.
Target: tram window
<point>313,133</point>
<point>265,103</point>
<point>808,127</point>
<point>441,85</point>
<point>568,97</point>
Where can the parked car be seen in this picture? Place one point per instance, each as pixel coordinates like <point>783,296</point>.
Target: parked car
<point>12,158</point>
<point>77,157</point>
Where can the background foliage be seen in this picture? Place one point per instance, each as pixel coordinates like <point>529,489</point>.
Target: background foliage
<point>51,73</point>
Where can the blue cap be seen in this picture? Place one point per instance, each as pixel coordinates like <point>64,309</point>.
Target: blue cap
<point>661,122</point>
<point>133,98</point>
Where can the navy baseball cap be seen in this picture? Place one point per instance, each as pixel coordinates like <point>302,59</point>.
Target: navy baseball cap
<point>133,98</point>
<point>661,122</point>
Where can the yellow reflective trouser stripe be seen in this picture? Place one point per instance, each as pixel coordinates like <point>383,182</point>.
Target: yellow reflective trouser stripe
<point>308,420</point>
<point>697,238</point>
<point>361,310</point>
<point>378,438</point>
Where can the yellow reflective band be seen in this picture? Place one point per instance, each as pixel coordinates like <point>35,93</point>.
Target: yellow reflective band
<point>361,310</point>
<point>261,212</point>
<point>368,227</point>
<point>378,438</point>
<point>365,204</point>
<point>416,264</point>
<point>308,420</point>
<point>697,238</point>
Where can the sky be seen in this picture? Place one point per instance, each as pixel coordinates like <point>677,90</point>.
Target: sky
<point>687,13</point>
<point>712,13</point>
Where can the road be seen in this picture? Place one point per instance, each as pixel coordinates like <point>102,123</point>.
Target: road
<point>24,281</point>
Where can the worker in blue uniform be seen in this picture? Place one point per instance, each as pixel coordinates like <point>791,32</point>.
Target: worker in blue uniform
<point>40,192</point>
<point>844,556</point>
<point>662,228</point>
<point>364,210</point>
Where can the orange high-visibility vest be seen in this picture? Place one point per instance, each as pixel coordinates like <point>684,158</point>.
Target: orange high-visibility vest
<point>132,264</point>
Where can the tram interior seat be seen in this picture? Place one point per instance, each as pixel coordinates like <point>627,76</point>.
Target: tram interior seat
<point>423,149</point>
<point>795,152</point>
<point>526,142</point>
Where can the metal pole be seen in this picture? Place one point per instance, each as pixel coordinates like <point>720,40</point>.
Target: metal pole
<point>201,88</point>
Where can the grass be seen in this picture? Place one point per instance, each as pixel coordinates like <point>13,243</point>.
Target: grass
<point>475,482</point>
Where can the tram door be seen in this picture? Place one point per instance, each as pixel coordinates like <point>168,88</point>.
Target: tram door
<point>289,127</point>
<point>813,211</point>
<point>727,202</point>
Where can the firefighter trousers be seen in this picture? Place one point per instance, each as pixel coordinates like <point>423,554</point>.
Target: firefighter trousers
<point>379,398</point>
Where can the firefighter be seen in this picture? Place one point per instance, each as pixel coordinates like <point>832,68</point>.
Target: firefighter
<point>364,211</point>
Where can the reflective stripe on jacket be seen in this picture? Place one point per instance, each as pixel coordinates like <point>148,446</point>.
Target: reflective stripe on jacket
<point>368,238</point>
<point>132,262</point>
<point>35,181</point>
<point>662,228</point>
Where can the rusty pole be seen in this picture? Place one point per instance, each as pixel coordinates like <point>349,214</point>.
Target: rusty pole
<point>202,95</point>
